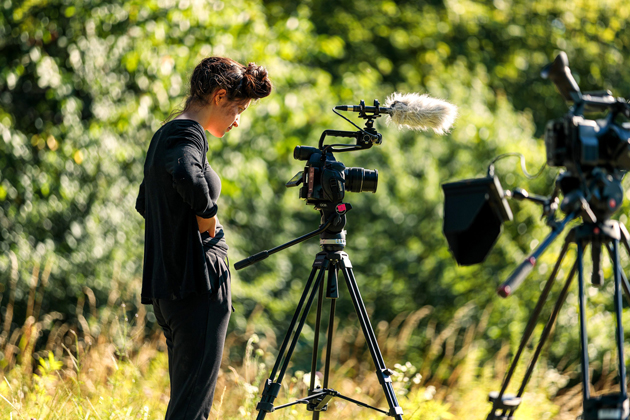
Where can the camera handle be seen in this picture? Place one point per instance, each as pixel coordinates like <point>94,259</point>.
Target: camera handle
<point>366,138</point>
<point>550,204</point>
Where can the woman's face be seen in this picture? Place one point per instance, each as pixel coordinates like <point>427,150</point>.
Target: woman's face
<point>226,115</point>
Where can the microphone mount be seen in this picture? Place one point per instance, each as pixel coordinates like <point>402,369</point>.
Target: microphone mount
<point>366,112</point>
<point>366,137</point>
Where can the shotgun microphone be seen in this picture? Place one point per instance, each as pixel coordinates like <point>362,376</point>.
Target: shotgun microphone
<point>412,111</point>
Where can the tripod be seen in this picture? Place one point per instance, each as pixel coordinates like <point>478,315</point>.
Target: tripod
<point>609,234</point>
<point>328,262</point>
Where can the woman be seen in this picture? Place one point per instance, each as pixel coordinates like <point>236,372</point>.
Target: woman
<point>185,274</point>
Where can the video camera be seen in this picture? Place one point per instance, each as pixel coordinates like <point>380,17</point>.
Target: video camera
<point>579,144</point>
<point>595,153</point>
<point>324,179</point>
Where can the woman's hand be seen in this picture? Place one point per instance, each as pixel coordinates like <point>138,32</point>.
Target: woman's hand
<point>207,225</point>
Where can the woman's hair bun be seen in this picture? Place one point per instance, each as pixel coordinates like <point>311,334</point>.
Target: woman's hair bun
<point>240,82</point>
<point>256,82</point>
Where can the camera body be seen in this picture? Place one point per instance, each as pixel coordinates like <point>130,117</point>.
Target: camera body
<point>325,180</point>
<point>574,140</point>
<point>595,153</point>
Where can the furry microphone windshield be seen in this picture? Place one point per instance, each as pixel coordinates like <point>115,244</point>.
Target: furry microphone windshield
<point>420,112</point>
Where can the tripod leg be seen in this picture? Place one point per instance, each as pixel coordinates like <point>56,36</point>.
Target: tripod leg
<point>332,283</point>
<point>619,329</point>
<point>624,240</point>
<point>272,388</point>
<point>586,392</point>
<point>531,324</point>
<point>332,278</point>
<point>497,403</point>
<point>545,334</point>
<point>384,374</point>
<point>318,321</point>
<point>301,324</point>
<point>294,320</point>
<point>331,326</point>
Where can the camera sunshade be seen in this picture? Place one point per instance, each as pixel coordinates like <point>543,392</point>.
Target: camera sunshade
<point>474,210</point>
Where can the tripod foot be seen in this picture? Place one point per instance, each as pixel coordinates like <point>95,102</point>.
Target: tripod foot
<point>507,401</point>
<point>610,407</point>
<point>505,404</point>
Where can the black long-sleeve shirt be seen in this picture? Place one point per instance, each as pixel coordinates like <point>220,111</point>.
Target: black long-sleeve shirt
<point>178,184</point>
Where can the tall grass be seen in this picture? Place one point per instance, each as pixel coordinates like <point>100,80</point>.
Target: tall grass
<point>106,367</point>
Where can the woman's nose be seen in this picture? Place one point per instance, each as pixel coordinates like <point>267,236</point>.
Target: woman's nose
<point>237,120</point>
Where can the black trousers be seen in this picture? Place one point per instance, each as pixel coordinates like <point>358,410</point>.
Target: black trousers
<point>195,329</point>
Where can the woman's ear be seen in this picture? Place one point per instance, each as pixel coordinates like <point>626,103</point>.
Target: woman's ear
<point>218,96</point>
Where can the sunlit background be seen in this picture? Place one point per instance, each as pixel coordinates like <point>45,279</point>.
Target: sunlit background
<point>83,85</point>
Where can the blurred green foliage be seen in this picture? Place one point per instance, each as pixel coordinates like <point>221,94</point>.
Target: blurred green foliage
<point>83,85</point>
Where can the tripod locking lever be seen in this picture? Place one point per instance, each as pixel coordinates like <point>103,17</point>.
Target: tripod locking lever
<point>343,208</point>
<point>384,375</point>
<point>270,392</point>
<point>575,201</point>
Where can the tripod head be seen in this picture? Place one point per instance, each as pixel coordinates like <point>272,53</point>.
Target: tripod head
<point>594,198</point>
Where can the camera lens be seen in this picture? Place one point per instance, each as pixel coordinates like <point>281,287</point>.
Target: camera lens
<point>359,179</point>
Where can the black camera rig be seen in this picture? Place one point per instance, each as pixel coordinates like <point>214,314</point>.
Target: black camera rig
<point>325,181</point>
<point>596,156</point>
<point>595,153</point>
